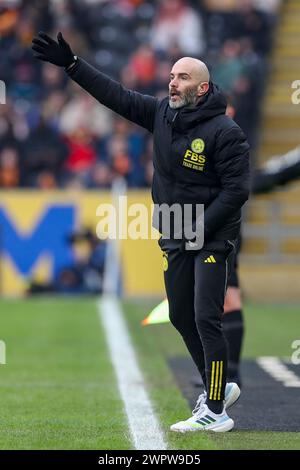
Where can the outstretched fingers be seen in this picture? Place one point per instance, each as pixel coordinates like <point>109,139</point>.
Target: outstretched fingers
<point>38,42</point>
<point>61,39</point>
<point>38,48</point>
<point>46,38</point>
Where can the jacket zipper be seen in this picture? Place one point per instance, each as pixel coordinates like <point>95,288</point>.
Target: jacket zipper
<point>175,116</point>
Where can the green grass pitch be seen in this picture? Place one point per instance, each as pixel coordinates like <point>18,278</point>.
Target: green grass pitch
<point>59,391</point>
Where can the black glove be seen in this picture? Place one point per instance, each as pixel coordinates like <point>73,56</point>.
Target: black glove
<point>50,51</point>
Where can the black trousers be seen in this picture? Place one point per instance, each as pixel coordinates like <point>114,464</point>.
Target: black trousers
<point>196,283</point>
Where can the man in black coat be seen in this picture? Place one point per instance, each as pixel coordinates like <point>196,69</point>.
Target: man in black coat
<point>201,162</point>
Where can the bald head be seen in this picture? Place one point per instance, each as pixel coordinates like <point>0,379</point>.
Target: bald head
<point>189,80</point>
<point>195,67</point>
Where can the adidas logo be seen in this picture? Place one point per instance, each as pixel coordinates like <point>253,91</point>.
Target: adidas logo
<point>210,259</point>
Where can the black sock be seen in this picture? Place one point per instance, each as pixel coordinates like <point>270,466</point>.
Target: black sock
<point>216,406</point>
<point>233,327</point>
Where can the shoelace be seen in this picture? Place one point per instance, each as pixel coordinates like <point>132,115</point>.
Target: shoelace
<point>201,400</point>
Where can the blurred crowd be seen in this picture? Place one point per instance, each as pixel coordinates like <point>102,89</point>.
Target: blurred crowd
<point>53,134</point>
<point>85,275</point>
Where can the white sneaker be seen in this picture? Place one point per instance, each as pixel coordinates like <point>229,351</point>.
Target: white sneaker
<point>205,420</point>
<point>232,394</point>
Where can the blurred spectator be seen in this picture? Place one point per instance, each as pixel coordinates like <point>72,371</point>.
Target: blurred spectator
<point>43,150</point>
<point>269,6</point>
<point>85,275</point>
<point>148,162</point>
<point>52,108</point>
<point>162,78</point>
<point>46,180</point>
<point>177,23</point>
<point>55,135</point>
<point>119,156</point>
<point>255,24</point>
<point>240,72</point>
<point>123,151</point>
<point>9,168</point>
<point>129,78</point>
<point>82,153</point>
<point>23,84</point>
<point>53,78</point>
<point>143,64</point>
<point>8,18</point>
<point>13,126</point>
<point>229,67</point>
<point>100,176</point>
<point>83,111</point>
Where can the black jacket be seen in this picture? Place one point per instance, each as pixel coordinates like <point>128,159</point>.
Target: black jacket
<point>201,156</point>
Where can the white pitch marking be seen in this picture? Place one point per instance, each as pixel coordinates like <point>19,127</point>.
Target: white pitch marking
<point>143,424</point>
<point>279,371</point>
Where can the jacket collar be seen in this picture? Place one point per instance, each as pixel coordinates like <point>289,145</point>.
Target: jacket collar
<point>213,104</point>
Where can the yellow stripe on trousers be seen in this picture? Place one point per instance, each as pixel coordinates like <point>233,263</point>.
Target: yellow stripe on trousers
<point>216,381</point>
<point>220,380</point>
<point>212,380</point>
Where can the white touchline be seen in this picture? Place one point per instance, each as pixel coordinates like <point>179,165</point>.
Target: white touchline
<point>279,371</point>
<point>143,424</point>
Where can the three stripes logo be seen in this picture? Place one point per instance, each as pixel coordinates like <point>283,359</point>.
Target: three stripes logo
<point>216,380</point>
<point>206,420</point>
<point>210,259</point>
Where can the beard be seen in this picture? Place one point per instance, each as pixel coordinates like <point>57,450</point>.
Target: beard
<point>189,97</point>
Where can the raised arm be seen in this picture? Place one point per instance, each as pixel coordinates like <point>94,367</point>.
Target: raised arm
<point>134,106</point>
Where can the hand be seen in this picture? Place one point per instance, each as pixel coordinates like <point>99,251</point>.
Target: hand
<point>190,245</point>
<point>50,51</point>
